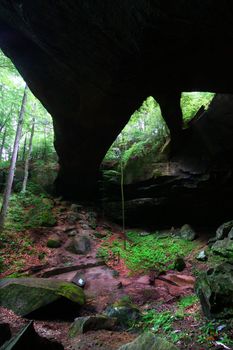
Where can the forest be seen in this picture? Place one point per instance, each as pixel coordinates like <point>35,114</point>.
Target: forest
<point>98,275</point>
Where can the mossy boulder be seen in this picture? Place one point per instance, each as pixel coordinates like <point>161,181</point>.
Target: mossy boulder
<point>125,312</point>
<point>179,264</point>
<point>79,245</point>
<point>187,232</point>
<point>72,217</point>
<point>224,229</point>
<point>224,248</point>
<point>54,241</point>
<point>92,219</point>
<point>25,295</point>
<point>215,291</point>
<point>90,323</point>
<point>148,341</point>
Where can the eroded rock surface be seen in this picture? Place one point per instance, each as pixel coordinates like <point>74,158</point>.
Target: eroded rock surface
<point>215,290</point>
<point>27,295</point>
<point>149,341</point>
<point>91,64</point>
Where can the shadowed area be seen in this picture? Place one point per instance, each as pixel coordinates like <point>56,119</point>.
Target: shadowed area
<point>92,63</point>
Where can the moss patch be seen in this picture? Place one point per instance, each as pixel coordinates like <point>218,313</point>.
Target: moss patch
<point>148,252</point>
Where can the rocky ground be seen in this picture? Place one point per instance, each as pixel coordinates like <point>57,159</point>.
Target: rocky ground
<point>69,251</point>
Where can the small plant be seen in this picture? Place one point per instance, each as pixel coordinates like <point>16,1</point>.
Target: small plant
<point>187,301</point>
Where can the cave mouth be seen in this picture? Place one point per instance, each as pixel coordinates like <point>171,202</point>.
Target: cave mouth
<point>194,185</point>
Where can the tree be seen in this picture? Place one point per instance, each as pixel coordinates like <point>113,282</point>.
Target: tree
<point>3,143</point>
<point>28,157</point>
<point>10,177</point>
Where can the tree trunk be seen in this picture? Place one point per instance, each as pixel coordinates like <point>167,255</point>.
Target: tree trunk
<point>28,157</point>
<point>44,156</point>
<point>3,144</point>
<point>24,148</point>
<point>10,177</point>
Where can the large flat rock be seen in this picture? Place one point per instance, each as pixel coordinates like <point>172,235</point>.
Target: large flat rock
<point>26,295</point>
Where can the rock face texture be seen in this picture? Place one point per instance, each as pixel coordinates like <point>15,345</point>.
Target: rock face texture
<point>92,63</point>
<point>148,341</point>
<point>195,186</point>
<point>27,295</point>
<point>215,290</point>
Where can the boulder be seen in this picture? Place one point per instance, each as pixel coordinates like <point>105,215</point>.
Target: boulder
<point>79,245</point>
<point>211,241</point>
<point>179,264</point>
<point>126,315</point>
<point>90,323</point>
<point>5,333</point>
<point>215,291</point>
<point>72,217</point>
<point>230,234</point>
<point>54,241</point>
<point>100,234</point>
<point>202,256</point>
<point>224,229</point>
<point>27,295</point>
<point>76,207</point>
<point>28,339</point>
<point>148,341</point>
<point>223,247</point>
<point>92,219</point>
<point>186,232</point>
<point>69,228</point>
<point>72,233</point>
<point>84,226</point>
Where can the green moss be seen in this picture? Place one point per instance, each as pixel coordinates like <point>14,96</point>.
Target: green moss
<point>24,295</point>
<point>29,211</point>
<point>148,252</point>
<point>123,301</point>
<point>72,292</point>
<point>53,243</point>
<point>187,301</point>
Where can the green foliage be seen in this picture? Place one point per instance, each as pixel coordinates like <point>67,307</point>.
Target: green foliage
<point>146,132</point>
<point>158,321</point>
<point>11,92</point>
<point>191,102</point>
<point>187,301</point>
<point>29,211</point>
<point>148,252</point>
<point>138,149</point>
<point>164,322</point>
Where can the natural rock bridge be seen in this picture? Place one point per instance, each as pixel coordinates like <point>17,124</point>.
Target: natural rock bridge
<point>92,63</point>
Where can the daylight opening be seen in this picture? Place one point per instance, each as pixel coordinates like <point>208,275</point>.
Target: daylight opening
<point>146,135</point>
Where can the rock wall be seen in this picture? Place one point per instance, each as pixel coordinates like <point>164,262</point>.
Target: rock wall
<point>195,186</point>
<point>92,63</point>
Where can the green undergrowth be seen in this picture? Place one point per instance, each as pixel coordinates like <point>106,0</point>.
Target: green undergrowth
<point>29,211</point>
<point>182,326</point>
<point>146,252</point>
<point>165,322</point>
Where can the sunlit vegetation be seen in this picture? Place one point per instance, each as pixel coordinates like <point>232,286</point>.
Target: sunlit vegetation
<point>147,132</point>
